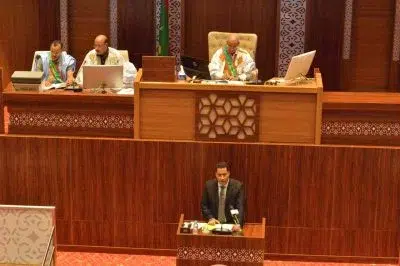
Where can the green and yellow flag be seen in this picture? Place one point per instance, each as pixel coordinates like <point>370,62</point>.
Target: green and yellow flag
<point>163,31</point>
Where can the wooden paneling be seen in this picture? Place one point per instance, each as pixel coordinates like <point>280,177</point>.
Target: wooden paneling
<point>259,17</point>
<point>361,118</point>
<point>371,52</point>
<point>284,114</point>
<point>318,200</point>
<point>87,19</point>
<point>136,29</point>
<point>159,115</point>
<point>49,23</point>
<point>66,113</point>
<point>200,249</point>
<point>324,33</point>
<point>275,111</point>
<point>19,35</point>
<point>1,103</point>
<point>27,26</point>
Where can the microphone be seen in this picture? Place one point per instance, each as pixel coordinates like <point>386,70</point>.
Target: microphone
<point>234,213</point>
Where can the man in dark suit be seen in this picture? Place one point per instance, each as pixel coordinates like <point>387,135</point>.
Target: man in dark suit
<point>221,195</point>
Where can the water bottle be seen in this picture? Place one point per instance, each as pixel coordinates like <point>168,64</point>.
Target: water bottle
<point>195,228</point>
<point>181,74</point>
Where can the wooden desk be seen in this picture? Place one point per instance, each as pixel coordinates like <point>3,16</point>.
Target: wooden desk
<point>208,249</point>
<point>210,112</point>
<point>66,113</point>
<point>1,103</point>
<point>361,118</point>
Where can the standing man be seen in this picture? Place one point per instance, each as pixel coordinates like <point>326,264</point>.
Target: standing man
<point>57,65</point>
<point>221,195</point>
<point>231,62</point>
<point>102,54</point>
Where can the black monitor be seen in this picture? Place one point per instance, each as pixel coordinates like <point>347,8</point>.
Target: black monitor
<point>195,67</point>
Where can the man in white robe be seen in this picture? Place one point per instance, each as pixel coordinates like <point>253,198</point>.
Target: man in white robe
<point>57,65</point>
<point>102,54</point>
<point>231,62</point>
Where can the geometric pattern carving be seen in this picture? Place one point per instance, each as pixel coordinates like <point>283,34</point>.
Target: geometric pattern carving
<point>396,34</point>
<point>25,233</point>
<point>54,120</point>
<point>174,25</point>
<point>348,21</point>
<point>291,32</point>
<point>64,23</point>
<point>360,128</point>
<point>221,254</point>
<point>227,117</point>
<point>113,9</point>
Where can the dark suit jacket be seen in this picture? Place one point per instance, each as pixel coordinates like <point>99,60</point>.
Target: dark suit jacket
<point>234,197</point>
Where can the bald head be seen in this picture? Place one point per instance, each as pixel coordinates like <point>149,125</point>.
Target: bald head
<point>232,42</point>
<point>101,44</point>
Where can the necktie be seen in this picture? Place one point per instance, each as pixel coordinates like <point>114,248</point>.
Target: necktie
<point>221,205</point>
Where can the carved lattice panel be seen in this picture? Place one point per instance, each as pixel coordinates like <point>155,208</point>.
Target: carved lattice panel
<point>227,116</point>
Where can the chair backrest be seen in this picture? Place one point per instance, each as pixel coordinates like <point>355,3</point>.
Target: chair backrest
<point>34,58</point>
<point>217,39</point>
<point>124,54</point>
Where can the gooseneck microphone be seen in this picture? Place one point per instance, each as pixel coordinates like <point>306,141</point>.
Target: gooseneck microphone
<point>234,213</point>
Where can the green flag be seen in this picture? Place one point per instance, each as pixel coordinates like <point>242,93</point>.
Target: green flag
<point>163,31</point>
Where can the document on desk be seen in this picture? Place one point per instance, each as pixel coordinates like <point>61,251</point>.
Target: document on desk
<point>230,82</point>
<point>126,91</point>
<point>53,86</point>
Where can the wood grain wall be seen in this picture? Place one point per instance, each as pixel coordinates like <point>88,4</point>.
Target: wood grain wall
<point>324,33</point>
<point>1,103</point>
<point>27,26</point>
<point>19,35</point>
<point>136,32</point>
<point>326,201</point>
<point>372,41</point>
<point>259,17</point>
<point>370,67</point>
<point>86,20</point>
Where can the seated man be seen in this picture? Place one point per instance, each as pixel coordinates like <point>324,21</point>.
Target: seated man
<point>57,65</point>
<point>220,196</point>
<point>231,62</point>
<point>102,54</point>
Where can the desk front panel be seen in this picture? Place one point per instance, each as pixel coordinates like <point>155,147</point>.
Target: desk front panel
<point>361,118</point>
<point>212,249</point>
<point>234,114</point>
<point>69,114</point>
<point>288,117</point>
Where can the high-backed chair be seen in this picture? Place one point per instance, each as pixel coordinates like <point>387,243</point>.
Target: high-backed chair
<point>248,42</point>
<point>124,54</point>
<point>33,68</point>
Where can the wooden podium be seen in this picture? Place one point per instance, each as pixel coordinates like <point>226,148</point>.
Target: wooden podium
<point>208,249</point>
<point>229,112</point>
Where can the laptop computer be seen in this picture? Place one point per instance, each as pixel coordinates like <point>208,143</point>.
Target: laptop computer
<point>195,67</point>
<point>109,76</point>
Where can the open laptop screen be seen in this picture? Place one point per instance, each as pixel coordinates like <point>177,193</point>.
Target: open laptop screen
<point>195,67</point>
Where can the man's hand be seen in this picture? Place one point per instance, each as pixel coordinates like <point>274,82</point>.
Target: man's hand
<point>228,77</point>
<point>70,80</point>
<point>47,83</point>
<point>236,228</point>
<point>213,221</point>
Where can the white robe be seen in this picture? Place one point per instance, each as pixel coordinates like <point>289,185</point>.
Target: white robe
<point>243,63</point>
